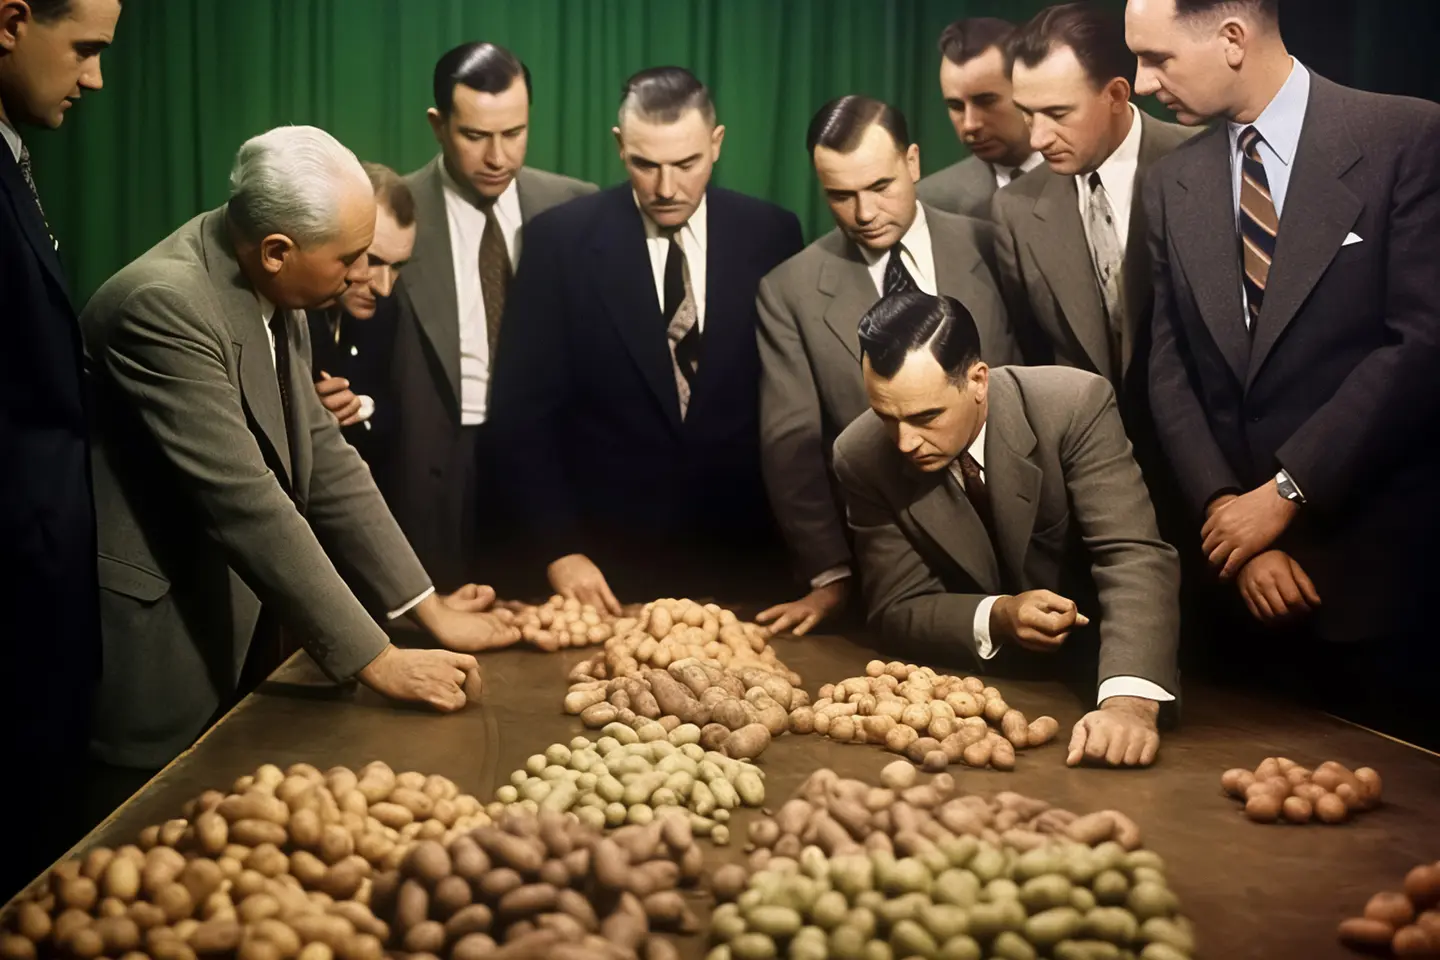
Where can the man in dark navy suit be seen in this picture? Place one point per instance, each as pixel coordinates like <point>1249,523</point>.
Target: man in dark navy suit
<point>50,643</point>
<point>627,389</point>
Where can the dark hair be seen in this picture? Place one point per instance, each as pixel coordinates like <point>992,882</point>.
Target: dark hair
<point>486,67</point>
<point>392,192</point>
<point>966,39</point>
<point>1096,36</point>
<point>665,93</point>
<point>1269,10</point>
<point>48,11</point>
<point>902,323</point>
<point>841,124</point>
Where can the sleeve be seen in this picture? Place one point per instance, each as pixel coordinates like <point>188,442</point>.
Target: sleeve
<point>167,360</point>
<point>1195,456</point>
<point>1360,430</point>
<point>792,445</point>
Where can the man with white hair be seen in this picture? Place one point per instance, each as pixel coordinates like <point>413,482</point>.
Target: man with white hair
<point>225,494</point>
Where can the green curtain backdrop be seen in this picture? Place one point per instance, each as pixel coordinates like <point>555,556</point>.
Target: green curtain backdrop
<point>188,80</point>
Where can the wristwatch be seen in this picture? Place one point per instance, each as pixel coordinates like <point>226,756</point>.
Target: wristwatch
<point>1287,489</point>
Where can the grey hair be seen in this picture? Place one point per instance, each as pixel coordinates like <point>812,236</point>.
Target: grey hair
<point>288,181</point>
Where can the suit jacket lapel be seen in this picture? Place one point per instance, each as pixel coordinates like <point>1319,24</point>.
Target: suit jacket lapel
<point>30,218</point>
<point>939,507</point>
<point>430,275</point>
<point>1011,477</point>
<point>627,286</point>
<point>729,313</point>
<point>259,388</point>
<point>845,279</point>
<point>1063,254</point>
<point>1319,211</point>
<point>1207,242</point>
<point>1139,286</point>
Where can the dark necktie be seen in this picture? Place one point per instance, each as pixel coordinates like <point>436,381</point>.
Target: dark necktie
<point>28,174</point>
<point>1259,224</point>
<point>282,376</point>
<point>977,493</point>
<point>682,326</point>
<point>897,278</point>
<point>1016,174</point>
<point>495,273</point>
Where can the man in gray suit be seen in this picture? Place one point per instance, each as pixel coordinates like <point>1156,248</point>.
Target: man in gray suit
<point>810,306</point>
<point>225,494</point>
<point>975,83</point>
<point>471,203</point>
<point>1070,238</point>
<point>984,501</point>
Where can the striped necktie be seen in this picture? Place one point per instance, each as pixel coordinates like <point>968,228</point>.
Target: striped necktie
<point>1259,224</point>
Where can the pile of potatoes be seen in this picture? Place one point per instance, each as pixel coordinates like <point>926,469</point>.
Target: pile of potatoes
<point>1407,924</point>
<point>671,630</point>
<point>1279,788</point>
<point>956,898</point>
<point>281,866</point>
<point>843,816</point>
<point>623,778</point>
<point>559,624</point>
<point>737,710</point>
<point>543,883</point>
<point>932,719</point>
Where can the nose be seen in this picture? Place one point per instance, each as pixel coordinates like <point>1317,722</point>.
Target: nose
<point>382,281</point>
<point>494,155</point>
<point>970,122</point>
<point>1147,81</point>
<point>865,209</point>
<point>90,77</point>
<point>665,189</point>
<point>359,271</point>
<point>1042,134</point>
<point>909,439</point>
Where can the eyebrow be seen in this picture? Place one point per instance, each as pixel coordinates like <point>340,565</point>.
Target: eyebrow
<point>91,48</point>
<point>477,131</point>
<point>880,184</point>
<point>637,158</point>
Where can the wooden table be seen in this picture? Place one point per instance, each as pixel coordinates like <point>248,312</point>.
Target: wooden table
<point>1262,892</point>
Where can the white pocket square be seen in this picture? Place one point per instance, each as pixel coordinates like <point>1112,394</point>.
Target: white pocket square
<point>1351,238</point>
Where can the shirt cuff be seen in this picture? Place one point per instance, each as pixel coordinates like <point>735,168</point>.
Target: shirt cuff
<point>1132,687</point>
<point>401,611</point>
<point>981,629</point>
<point>367,408</point>
<point>827,577</point>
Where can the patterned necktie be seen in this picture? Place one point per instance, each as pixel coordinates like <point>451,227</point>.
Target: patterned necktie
<point>1109,259</point>
<point>1259,225</point>
<point>682,326</point>
<point>897,278</point>
<point>28,174</point>
<point>281,338</point>
<point>495,273</point>
<point>976,492</point>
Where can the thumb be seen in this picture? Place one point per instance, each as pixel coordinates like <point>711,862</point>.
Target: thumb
<point>460,661</point>
<point>1077,743</point>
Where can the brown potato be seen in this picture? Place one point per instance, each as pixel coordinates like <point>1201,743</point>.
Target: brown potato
<point>122,879</point>
<point>1002,754</point>
<point>1414,941</point>
<point>746,743</point>
<point>1297,809</point>
<point>1422,886</point>
<point>1392,908</point>
<point>1370,782</point>
<point>1331,809</point>
<point>1263,807</point>
<point>978,754</point>
<point>78,893</point>
<point>253,833</point>
<point>1269,767</point>
<point>175,900</point>
<point>1364,932</point>
<point>344,878</point>
<point>1235,780</point>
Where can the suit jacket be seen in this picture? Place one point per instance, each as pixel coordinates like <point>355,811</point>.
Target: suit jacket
<point>50,654</point>
<point>811,386</point>
<point>1048,277</point>
<point>593,447</point>
<point>360,351</point>
<point>1069,507</point>
<point>966,188</point>
<point>196,527</point>
<point>425,370</point>
<point>1337,383</point>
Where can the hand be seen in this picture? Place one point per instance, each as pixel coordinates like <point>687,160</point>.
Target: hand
<point>470,598</point>
<point>436,677</point>
<point>337,397</point>
<point>1120,734</point>
<point>576,576</point>
<point>1275,588</point>
<point>1242,526</point>
<point>1037,620</point>
<point>799,616</point>
<point>463,628</point>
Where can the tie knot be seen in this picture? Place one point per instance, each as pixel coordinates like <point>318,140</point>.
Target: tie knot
<point>1096,184</point>
<point>1250,142</point>
<point>276,322</point>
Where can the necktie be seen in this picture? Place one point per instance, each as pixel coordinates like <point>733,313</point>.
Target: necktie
<point>1016,174</point>
<point>282,376</point>
<point>28,174</point>
<point>1109,259</point>
<point>897,278</point>
<point>682,327</point>
<point>1259,224</point>
<point>495,274</point>
<point>977,493</point>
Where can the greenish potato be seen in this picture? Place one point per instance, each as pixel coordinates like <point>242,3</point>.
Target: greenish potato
<point>830,909</point>
<point>1044,892</point>
<point>1147,900</point>
<point>1082,899</point>
<point>1144,858</point>
<point>727,922</point>
<point>909,938</point>
<point>959,887</point>
<point>1147,875</point>
<point>1160,930</point>
<point>1001,888</point>
<point>557,753</point>
<point>1039,862</point>
<point>1011,946</point>
<point>507,794</point>
<point>864,920</point>
<point>878,950</point>
<point>958,850</point>
<point>753,946</point>
<point>535,764</point>
<point>1049,927</point>
<point>945,921</point>
<point>722,952</point>
<point>1109,856</point>
<point>1113,924</point>
<point>847,943</point>
<point>906,907</point>
<point>1086,950</point>
<point>774,922</point>
<point>1111,887</point>
<point>959,948</point>
<point>1162,951</point>
<point>987,864</point>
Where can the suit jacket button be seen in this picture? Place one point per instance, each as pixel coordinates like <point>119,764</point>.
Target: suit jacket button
<point>1256,418</point>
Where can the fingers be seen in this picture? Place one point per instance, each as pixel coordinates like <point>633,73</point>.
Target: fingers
<point>1307,587</point>
<point>350,413</point>
<point>1133,752</point>
<point>451,699</point>
<point>765,616</point>
<point>807,624</point>
<point>1250,603</point>
<point>1151,748</point>
<point>1120,738</point>
<point>460,661</point>
<point>1238,558</point>
<point>608,600</point>
<point>1076,751</point>
<point>1097,744</point>
<point>1273,600</point>
<point>1290,593</point>
<point>1046,600</point>
<point>331,385</point>
<point>1081,620</point>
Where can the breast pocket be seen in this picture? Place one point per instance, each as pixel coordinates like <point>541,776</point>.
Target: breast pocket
<point>129,580</point>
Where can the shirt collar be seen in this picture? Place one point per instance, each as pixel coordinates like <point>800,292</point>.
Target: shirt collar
<point>1280,123</point>
<point>1031,162</point>
<point>1118,170</point>
<point>508,203</point>
<point>694,232</point>
<point>12,137</point>
<point>916,240</point>
<point>267,309</point>
<point>976,450</point>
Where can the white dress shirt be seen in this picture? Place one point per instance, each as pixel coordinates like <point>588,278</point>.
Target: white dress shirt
<point>694,239</point>
<point>467,227</point>
<point>1002,173</point>
<point>980,626</point>
<point>267,311</point>
<point>1117,176</point>
<point>915,252</point>
<point>12,137</point>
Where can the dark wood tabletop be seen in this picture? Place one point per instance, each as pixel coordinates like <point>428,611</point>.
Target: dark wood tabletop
<point>1253,891</point>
